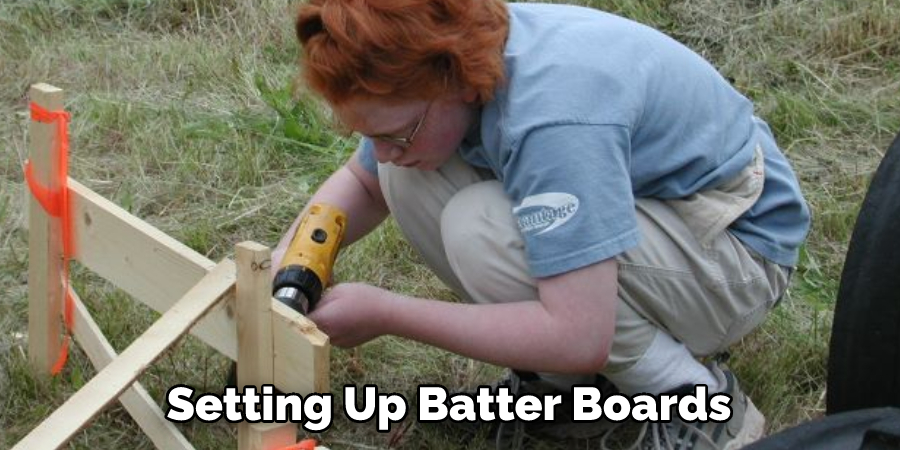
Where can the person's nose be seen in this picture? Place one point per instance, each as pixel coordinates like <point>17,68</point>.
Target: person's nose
<point>386,152</point>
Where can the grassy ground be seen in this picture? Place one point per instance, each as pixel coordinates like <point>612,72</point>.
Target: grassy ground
<point>183,114</point>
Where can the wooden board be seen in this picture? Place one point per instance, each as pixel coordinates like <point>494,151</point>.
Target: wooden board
<point>136,400</point>
<point>253,300</point>
<point>143,261</point>
<point>157,269</point>
<point>302,352</point>
<point>110,382</point>
<point>45,287</point>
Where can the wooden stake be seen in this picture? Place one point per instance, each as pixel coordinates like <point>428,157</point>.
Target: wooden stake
<point>253,304</point>
<point>254,319</point>
<point>267,436</point>
<point>107,385</point>
<point>45,287</point>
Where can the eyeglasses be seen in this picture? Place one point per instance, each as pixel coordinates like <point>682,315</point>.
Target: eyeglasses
<point>404,142</point>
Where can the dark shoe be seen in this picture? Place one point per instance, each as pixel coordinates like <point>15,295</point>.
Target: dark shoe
<point>512,435</point>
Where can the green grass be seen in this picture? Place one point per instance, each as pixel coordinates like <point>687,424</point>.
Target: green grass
<point>184,113</point>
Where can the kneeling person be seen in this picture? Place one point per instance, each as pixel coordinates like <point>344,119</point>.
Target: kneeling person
<point>605,200</point>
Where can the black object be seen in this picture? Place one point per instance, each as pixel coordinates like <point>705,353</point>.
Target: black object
<point>867,429</point>
<point>304,285</point>
<point>864,360</point>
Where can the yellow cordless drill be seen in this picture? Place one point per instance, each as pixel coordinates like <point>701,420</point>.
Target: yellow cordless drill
<point>307,264</point>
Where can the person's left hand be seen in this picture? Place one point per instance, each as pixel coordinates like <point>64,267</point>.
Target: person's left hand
<point>352,313</point>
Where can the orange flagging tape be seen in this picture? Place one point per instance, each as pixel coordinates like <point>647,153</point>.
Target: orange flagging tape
<point>56,203</point>
<point>306,444</point>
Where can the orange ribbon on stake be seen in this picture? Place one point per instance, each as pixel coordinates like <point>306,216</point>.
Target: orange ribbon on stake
<point>56,203</point>
<point>306,444</point>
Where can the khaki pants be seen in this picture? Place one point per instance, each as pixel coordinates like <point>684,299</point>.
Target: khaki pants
<point>688,277</point>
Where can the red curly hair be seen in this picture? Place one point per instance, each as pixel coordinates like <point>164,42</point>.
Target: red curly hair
<point>402,49</point>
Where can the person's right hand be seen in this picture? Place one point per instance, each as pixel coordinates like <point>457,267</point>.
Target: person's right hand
<point>353,313</point>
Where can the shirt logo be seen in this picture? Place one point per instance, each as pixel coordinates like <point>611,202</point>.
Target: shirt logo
<point>541,213</point>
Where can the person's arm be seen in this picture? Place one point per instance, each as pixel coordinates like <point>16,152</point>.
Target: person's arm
<point>569,330</point>
<point>353,189</point>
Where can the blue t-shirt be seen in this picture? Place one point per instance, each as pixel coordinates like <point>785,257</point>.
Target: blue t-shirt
<point>598,110</point>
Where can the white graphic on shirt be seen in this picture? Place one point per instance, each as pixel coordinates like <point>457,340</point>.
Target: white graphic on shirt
<point>545,212</point>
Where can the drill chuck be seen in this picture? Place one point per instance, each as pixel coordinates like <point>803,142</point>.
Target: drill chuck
<point>298,287</point>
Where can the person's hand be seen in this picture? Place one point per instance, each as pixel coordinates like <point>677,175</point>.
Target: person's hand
<point>352,313</point>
